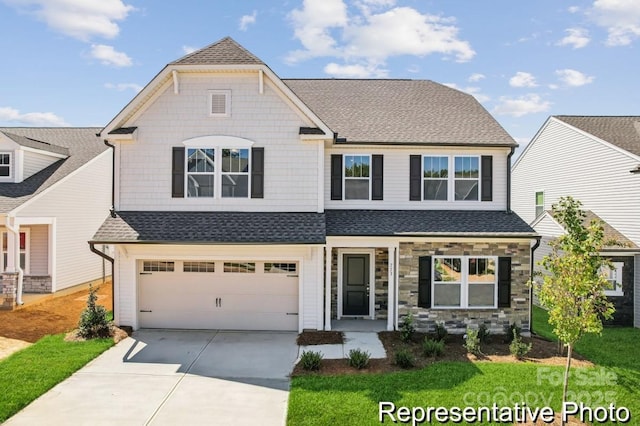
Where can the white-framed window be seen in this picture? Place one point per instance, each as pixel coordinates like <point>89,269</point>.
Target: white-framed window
<point>280,268</point>
<point>461,282</point>
<point>614,277</point>
<point>466,178</point>
<point>158,266</point>
<point>24,251</point>
<point>235,172</point>
<point>357,177</point>
<point>240,267</point>
<point>220,103</point>
<point>539,203</point>
<point>200,173</point>
<point>5,164</point>
<point>198,266</point>
<point>435,172</point>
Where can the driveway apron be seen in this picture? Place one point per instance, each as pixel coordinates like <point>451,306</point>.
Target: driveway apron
<point>163,377</point>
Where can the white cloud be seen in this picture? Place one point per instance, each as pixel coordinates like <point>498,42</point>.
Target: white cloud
<point>121,87</point>
<point>522,79</point>
<point>109,56</point>
<point>373,32</point>
<point>354,71</point>
<point>576,37</point>
<point>247,20</point>
<point>13,115</point>
<point>573,78</point>
<point>188,49</point>
<point>573,9</point>
<point>621,18</point>
<point>523,105</point>
<point>476,77</point>
<point>81,19</point>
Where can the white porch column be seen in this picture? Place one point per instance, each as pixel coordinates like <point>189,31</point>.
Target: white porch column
<point>391,292</point>
<point>13,250</point>
<point>327,286</point>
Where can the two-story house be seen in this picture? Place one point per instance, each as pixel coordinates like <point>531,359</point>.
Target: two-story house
<point>55,184</point>
<point>596,160</point>
<point>245,201</point>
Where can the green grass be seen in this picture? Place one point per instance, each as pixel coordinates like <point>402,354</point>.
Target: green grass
<point>29,373</point>
<point>353,399</point>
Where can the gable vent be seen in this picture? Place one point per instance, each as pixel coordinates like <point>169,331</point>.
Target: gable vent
<point>219,103</point>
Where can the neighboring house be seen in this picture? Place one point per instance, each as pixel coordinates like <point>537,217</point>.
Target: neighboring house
<point>597,161</point>
<point>55,191</point>
<point>244,201</point>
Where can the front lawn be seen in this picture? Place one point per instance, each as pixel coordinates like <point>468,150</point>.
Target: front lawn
<point>354,398</point>
<point>29,373</point>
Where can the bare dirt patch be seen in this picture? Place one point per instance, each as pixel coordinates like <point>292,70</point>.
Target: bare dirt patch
<point>307,338</point>
<point>52,316</point>
<point>496,350</point>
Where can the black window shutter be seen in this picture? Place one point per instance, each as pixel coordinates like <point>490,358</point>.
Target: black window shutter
<point>336,176</point>
<point>487,178</point>
<point>424,281</point>
<point>377,163</point>
<point>504,282</point>
<point>415,179</point>
<point>257,172</point>
<point>177,170</point>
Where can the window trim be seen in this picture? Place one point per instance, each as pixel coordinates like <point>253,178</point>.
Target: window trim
<point>10,166</point>
<point>464,282</point>
<point>187,172</point>
<point>26,251</point>
<point>536,205</point>
<point>247,173</point>
<point>217,170</point>
<point>344,177</point>
<point>619,268</point>
<point>227,102</point>
<point>451,178</point>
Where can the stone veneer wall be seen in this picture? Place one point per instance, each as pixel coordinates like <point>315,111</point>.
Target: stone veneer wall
<point>381,282</point>
<point>457,320</point>
<point>8,286</point>
<point>36,284</point>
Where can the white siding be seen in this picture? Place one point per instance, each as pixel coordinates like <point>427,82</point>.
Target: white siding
<point>34,162</point>
<point>396,179</point>
<point>80,203</point>
<point>38,249</point>
<point>548,227</point>
<point>562,161</point>
<point>309,258</point>
<point>291,166</point>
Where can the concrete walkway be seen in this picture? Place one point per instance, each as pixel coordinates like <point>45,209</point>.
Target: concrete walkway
<point>365,341</point>
<point>176,377</point>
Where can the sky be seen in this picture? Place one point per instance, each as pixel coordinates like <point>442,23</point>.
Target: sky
<point>79,62</point>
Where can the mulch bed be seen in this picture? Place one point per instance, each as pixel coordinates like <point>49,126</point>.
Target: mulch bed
<point>495,350</point>
<point>116,333</point>
<point>307,338</point>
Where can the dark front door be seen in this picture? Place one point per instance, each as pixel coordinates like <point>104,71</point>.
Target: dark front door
<point>355,284</point>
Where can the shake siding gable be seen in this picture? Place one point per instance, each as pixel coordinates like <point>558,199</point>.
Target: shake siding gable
<point>290,165</point>
<point>563,161</point>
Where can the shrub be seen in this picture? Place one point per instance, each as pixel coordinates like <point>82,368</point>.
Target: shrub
<point>483,333</point>
<point>311,360</point>
<point>432,347</point>
<point>407,329</point>
<point>358,358</point>
<point>441,332</point>
<point>404,359</point>
<point>517,347</point>
<point>511,331</point>
<point>93,320</point>
<point>472,342</point>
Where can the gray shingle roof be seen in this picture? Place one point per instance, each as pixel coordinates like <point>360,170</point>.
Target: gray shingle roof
<point>82,145</point>
<point>32,143</point>
<point>223,52</point>
<point>424,222</point>
<point>622,131</point>
<point>400,111</point>
<point>213,228</point>
<point>614,239</point>
<point>123,131</point>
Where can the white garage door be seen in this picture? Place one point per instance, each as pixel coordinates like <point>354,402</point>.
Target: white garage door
<point>218,295</point>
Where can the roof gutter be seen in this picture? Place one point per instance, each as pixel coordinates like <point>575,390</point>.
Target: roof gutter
<point>112,210</point>
<point>105,256</point>
<point>513,150</point>
<point>532,264</point>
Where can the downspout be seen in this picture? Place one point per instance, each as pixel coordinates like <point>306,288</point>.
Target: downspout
<point>105,256</point>
<point>112,210</point>
<point>532,264</point>
<point>11,228</point>
<point>513,150</point>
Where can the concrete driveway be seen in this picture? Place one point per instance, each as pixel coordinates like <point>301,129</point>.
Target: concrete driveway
<point>166,377</point>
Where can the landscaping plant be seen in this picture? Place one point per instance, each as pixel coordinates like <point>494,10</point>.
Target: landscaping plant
<point>432,347</point>
<point>441,332</point>
<point>93,320</point>
<point>511,331</point>
<point>483,333</point>
<point>358,358</point>
<point>404,358</point>
<point>407,329</point>
<point>472,342</point>
<point>310,360</point>
<point>573,289</point>
<point>517,347</point>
